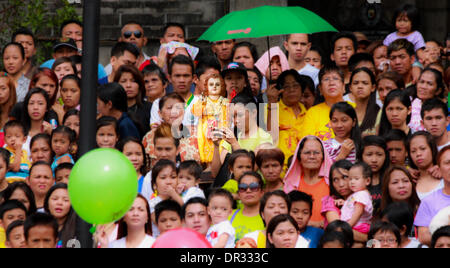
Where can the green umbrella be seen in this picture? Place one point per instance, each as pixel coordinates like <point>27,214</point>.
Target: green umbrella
<point>266,21</point>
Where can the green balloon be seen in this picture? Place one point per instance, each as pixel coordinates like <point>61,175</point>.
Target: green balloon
<point>102,186</point>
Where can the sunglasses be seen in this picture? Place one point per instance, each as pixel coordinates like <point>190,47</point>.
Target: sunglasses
<point>137,34</point>
<point>254,186</point>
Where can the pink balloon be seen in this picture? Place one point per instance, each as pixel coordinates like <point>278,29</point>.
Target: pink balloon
<point>181,238</point>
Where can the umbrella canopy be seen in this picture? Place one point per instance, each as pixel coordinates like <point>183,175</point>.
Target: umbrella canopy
<point>266,21</point>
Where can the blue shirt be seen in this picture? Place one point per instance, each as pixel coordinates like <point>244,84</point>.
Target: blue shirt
<point>313,235</point>
<point>127,128</point>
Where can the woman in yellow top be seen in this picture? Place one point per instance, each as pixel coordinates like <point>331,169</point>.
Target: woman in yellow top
<point>317,119</point>
<point>287,112</point>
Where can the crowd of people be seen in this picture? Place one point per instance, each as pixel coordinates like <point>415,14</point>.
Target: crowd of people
<point>300,150</point>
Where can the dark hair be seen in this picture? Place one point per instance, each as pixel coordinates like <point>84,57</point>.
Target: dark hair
<point>344,164</point>
<point>396,135</point>
<point>252,174</point>
<point>281,79</point>
<point>67,131</point>
<point>173,24</point>
<point>181,60</point>
<point>159,166</point>
<point>115,93</point>
<point>298,196</point>
<point>411,12</point>
<point>63,166</point>
<point>205,63</point>
<point>108,121</point>
<point>384,227</point>
<point>431,143</point>
<point>11,227</point>
<point>23,31</point>
<point>444,231</point>
<point>400,44</point>
<point>25,115</point>
<point>15,123</point>
<point>320,52</point>
<point>399,95</point>
<point>251,47</point>
<point>10,205</point>
<point>27,191</point>
<point>121,145</point>
<point>167,205</point>
<point>357,58</point>
<point>40,219</point>
<point>73,77</point>
<point>76,59</point>
<point>70,21</point>
<point>355,133</point>
<point>152,68</point>
<point>221,192</point>
<point>400,214</point>
<point>62,60</point>
<point>372,108</point>
<point>307,83</point>
<point>165,131</point>
<point>394,77</point>
<point>273,224</point>
<point>245,98</point>
<point>19,46</point>
<point>5,155</point>
<point>432,104</point>
<point>137,79</point>
<point>172,95</point>
<point>333,237</point>
<point>70,113</point>
<point>123,230</point>
<point>366,169</point>
<point>241,153</point>
<point>344,228</point>
<point>193,168</point>
<point>266,198</point>
<point>40,163</point>
<point>440,84</point>
<point>379,142</point>
<point>332,68</point>
<point>194,200</point>
<point>386,199</point>
<point>344,34</point>
<point>269,154</point>
<point>119,49</point>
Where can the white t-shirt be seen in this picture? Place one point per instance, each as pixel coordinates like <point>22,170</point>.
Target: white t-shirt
<point>122,243</point>
<point>312,72</point>
<point>441,147</point>
<point>191,193</point>
<point>215,231</point>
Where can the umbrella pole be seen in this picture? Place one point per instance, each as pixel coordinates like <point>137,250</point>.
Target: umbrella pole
<point>268,50</point>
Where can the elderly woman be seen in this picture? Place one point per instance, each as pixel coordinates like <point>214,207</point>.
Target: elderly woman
<point>309,173</point>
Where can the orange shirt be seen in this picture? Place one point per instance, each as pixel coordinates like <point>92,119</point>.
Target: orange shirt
<point>317,191</point>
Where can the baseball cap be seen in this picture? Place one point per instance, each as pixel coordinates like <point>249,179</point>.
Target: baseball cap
<point>234,66</point>
<point>65,41</point>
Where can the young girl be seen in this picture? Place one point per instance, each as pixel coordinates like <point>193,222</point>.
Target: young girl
<point>135,152</point>
<point>164,184</point>
<point>347,141</point>
<point>270,163</point>
<point>396,113</point>
<point>212,109</point>
<point>430,85</point>
<point>362,88</point>
<point>406,20</point>
<point>283,232</point>
<point>422,151</point>
<point>37,115</point>
<point>374,153</point>
<point>7,98</point>
<point>71,120</point>
<point>220,205</point>
<point>241,161</point>
<point>22,192</point>
<point>57,204</point>
<point>107,134</point>
<point>357,208</point>
<point>63,139</point>
<point>14,61</point>
<point>41,149</point>
<point>71,92</point>
<point>63,66</point>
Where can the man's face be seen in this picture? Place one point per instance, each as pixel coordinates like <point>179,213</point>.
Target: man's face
<point>75,32</point>
<point>401,62</point>
<point>28,44</point>
<point>133,33</point>
<point>343,50</point>
<point>173,33</point>
<point>223,49</point>
<point>181,78</point>
<point>127,58</point>
<point>397,152</point>
<point>297,46</point>
<point>435,122</point>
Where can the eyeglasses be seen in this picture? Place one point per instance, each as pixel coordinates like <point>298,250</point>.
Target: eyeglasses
<point>137,34</point>
<point>254,186</point>
<point>389,241</point>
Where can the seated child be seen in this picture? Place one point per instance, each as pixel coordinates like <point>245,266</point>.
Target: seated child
<point>301,211</point>
<point>189,173</point>
<point>167,216</point>
<point>220,207</point>
<point>62,172</point>
<point>15,138</point>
